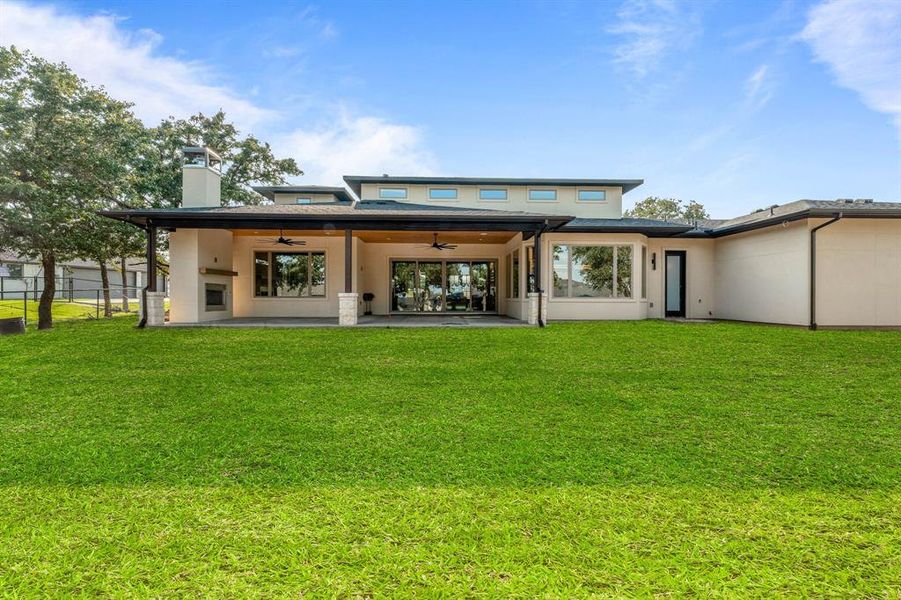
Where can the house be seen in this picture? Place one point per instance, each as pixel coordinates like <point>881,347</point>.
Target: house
<point>466,245</point>
<point>20,274</point>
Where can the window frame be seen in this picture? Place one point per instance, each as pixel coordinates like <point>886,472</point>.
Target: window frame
<point>551,190</point>
<point>591,190</point>
<point>506,192</point>
<point>456,192</point>
<point>614,283</point>
<point>644,273</point>
<point>270,274</point>
<point>405,193</point>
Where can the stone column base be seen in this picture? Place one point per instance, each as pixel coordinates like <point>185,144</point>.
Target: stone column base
<point>156,311</point>
<point>347,308</point>
<point>532,314</point>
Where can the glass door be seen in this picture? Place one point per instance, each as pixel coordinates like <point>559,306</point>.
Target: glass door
<point>404,296</point>
<point>483,287</point>
<point>431,286</point>
<point>675,283</point>
<point>439,286</point>
<point>457,284</point>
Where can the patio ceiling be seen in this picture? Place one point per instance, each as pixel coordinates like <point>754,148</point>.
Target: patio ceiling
<point>392,237</point>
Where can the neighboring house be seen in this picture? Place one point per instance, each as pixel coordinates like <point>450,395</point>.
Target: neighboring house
<point>20,274</point>
<point>478,245</point>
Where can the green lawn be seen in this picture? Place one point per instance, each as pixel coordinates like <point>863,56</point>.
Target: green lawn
<point>80,308</point>
<point>625,459</point>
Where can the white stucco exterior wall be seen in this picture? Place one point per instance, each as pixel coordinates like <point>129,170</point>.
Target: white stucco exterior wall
<point>700,283</point>
<point>762,275</point>
<point>567,202</point>
<point>247,305</point>
<point>859,273</point>
<point>189,251</point>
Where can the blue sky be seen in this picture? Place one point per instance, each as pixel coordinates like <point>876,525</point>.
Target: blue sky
<point>735,104</point>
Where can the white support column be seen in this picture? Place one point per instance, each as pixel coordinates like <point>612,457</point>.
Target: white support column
<point>532,309</point>
<point>156,311</point>
<point>532,314</point>
<point>347,308</point>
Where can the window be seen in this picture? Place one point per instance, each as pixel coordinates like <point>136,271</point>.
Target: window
<point>392,193</point>
<point>302,200</point>
<point>592,271</point>
<point>515,273</point>
<point>494,194</point>
<point>592,195</point>
<point>644,272</point>
<point>289,274</point>
<point>442,193</point>
<point>530,269</point>
<point>543,195</point>
<point>508,276</point>
<point>14,270</point>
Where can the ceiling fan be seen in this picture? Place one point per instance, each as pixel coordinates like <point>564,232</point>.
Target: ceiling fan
<point>282,240</point>
<point>440,246</point>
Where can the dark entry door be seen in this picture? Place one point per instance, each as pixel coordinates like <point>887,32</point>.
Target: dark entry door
<point>674,288</point>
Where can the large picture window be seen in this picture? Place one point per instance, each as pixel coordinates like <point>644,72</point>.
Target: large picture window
<point>289,274</point>
<point>592,271</point>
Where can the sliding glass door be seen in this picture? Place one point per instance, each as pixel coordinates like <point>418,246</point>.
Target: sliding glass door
<point>443,286</point>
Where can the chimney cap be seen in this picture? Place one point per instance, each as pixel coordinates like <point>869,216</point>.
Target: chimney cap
<point>201,156</point>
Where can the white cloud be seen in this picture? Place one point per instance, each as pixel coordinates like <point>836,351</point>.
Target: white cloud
<point>357,145</point>
<point>651,30</point>
<point>128,65</point>
<point>131,67</point>
<point>758,88</point>
<point>859,40</point>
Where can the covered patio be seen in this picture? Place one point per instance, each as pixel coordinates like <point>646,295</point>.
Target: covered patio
<point>356,250</point>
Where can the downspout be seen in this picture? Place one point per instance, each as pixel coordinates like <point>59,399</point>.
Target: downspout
<point>813,268</point>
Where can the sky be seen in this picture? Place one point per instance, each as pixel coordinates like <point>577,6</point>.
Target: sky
<point>737,105</point>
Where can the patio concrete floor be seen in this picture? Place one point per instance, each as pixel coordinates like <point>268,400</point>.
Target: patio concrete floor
<point>442,320</point>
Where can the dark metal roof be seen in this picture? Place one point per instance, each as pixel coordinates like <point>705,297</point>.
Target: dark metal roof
<point>801,209</point>
<point>648,227</point>
<point>355,182</point>
<point>373,215</point>
<point>269,191</point>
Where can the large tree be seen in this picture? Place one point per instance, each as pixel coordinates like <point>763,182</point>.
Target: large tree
<point>668,209</point>
<point>246,160</point>
<point>61,155</point>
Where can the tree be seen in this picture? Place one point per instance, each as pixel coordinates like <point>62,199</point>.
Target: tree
<point>246,160</point>
<point>668,209</point>
<point>59,155</point>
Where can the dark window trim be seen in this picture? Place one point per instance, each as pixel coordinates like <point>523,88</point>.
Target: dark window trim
<point>569,272</point>
<point>270,273</point>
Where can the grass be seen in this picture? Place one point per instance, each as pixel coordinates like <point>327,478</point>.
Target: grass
<point>79,308</point>
<point>634,458</point>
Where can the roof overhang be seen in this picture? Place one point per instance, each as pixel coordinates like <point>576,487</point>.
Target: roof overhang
<point>269,191</point>
<point>649,231</point>
<point>811,213</point>
<point>174,219</point>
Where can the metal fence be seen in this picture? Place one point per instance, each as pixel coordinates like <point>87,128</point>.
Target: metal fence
<point>66,287</point>
<point>70,305</point>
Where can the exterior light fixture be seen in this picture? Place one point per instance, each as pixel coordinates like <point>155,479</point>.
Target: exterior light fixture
<point>653,261</point>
